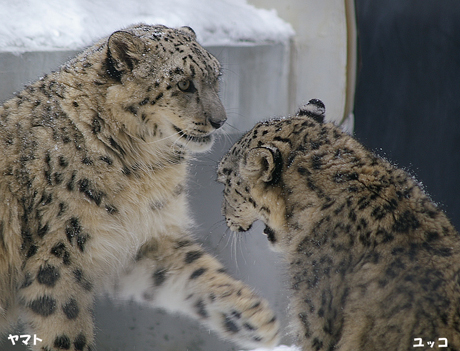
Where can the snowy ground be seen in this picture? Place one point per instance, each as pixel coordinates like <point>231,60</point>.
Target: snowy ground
<point>55,24</point>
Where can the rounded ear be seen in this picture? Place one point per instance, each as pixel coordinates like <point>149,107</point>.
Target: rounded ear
<point>314,109</point>
<point>262,164</point>
<point>189,31</point>
<point>124,51</point>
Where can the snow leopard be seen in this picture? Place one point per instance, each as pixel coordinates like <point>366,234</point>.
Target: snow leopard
<point>93,193</point>
<point>373,263</point>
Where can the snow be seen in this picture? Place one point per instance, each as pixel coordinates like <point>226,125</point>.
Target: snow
<point>31,25</point>
<point>280,348</point>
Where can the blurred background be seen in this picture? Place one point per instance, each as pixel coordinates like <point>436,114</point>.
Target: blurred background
<point>388,71</point>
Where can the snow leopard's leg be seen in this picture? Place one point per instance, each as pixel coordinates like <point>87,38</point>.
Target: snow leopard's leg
<point>56,302</point>
<point>178,275</point>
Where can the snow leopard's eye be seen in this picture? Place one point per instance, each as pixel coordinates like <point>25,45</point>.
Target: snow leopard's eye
<point>186,86</point>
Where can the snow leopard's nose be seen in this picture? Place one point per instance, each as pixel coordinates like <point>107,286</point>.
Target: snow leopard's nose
<point>214,110</point>
<point>217,124</point>
<point>218,116</point>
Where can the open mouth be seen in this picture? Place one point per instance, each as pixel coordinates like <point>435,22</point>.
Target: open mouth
<point>196,139</point>
<point>270,233</point>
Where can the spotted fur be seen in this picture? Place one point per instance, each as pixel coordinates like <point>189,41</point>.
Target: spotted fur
<point>373,263</point>
<point>93,192</point>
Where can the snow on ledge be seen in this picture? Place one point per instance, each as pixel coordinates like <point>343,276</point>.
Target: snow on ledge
<point>33,25</point>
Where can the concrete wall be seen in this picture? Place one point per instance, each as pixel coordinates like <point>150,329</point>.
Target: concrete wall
<point>323,53</point>
<point>254,86</point>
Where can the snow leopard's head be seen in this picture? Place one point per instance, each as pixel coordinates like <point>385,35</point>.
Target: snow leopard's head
<point>166,85</point>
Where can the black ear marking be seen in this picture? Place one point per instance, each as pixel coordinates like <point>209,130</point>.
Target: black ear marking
<point>110,67</point>
<point>278,170</point>
<point>314,109</point>
<point>124,51</point>
<point>189,31</point>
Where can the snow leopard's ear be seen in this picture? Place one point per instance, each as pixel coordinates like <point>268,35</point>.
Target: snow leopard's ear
<point>124,52</point>
<point>314,109</point>
<point>262,164</point>
<point>188,30</point>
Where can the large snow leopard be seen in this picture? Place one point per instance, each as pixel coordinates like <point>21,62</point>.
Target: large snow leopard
<point>93,192</point>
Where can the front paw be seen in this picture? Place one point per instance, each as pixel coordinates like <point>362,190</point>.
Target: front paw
<point>240,315</point>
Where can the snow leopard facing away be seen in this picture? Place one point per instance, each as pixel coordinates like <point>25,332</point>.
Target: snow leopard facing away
<point>93,192</point>
<point>373,263</point>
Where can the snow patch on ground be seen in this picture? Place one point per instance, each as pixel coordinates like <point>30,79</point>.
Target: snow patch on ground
<point>30,25</point>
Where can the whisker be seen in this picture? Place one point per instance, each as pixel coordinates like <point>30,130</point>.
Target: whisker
<point>175,142</point>
<point>233,249</point>
<point>212,229</point>
<point>157,141</point>
<point>235,128</point>
<point>228,235</point>
<point>240,239</point>
<point>217,224</point>
<point>228,140</point>
<point>224,234</point>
